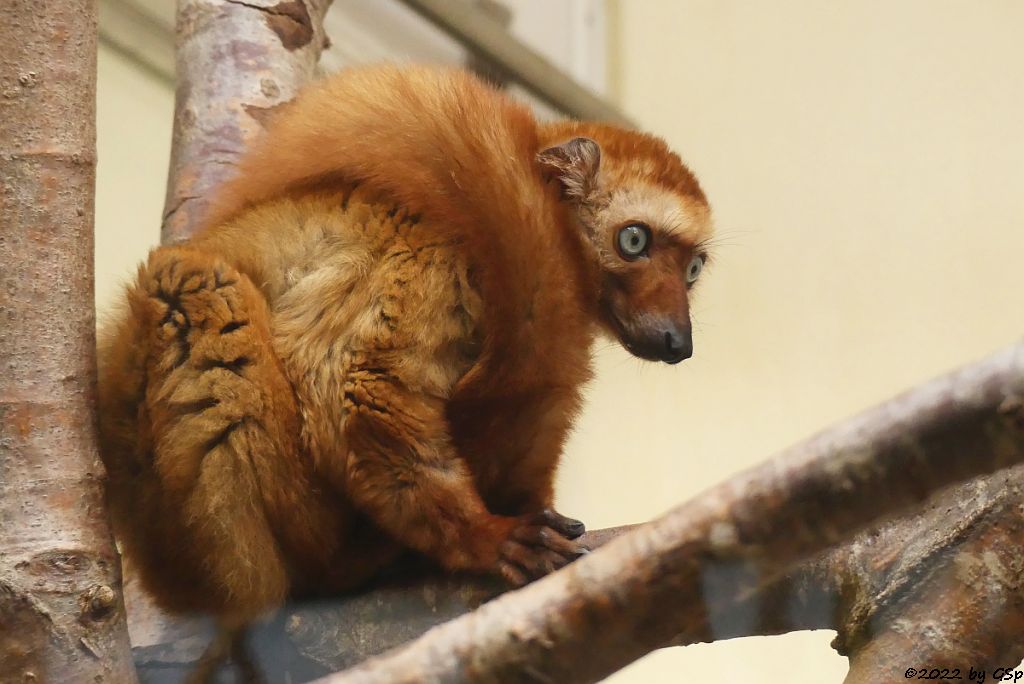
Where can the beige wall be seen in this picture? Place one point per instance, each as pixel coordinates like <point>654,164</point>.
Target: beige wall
<point>133,139</point>
<point>866,164</point>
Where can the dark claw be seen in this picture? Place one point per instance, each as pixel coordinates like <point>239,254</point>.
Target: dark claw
<point>574,528</point>
<point>570,528</point>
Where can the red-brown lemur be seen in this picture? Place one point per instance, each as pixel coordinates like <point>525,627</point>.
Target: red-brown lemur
<point>378,341</point>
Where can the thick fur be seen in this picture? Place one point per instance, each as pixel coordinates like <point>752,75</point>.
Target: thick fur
<point>379,340</point>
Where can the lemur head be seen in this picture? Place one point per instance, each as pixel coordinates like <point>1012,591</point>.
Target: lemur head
<point>645,221</point>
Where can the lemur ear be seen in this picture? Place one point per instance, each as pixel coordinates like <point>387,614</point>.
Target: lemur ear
<point>575,164</point>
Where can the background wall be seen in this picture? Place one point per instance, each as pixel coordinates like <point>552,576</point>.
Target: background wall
<point>864,162</point>
<point>134,110</point>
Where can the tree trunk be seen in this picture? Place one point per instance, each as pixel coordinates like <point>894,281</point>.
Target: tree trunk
<point>61,611</point>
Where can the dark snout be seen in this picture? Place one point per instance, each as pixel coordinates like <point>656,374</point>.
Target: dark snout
<point>678,344</point>
<point>662,340</point>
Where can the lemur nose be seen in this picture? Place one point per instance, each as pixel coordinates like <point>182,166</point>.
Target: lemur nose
<point>678,344</point>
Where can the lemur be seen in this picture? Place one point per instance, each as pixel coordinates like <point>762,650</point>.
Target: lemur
<point>378,340</point>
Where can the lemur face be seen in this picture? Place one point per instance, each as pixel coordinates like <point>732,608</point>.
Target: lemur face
<point>649,242</point>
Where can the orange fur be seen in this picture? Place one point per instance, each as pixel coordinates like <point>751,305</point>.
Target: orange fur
<point>378,342</point>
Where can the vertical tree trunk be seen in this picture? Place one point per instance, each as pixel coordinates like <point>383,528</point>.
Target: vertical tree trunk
<point>236,62</point>
<point>61,614</point>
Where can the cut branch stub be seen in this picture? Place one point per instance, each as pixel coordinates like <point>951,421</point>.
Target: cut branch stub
<point>236,62</point>
<point>942,589</point>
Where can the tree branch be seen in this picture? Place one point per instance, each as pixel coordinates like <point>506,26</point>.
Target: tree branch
<point>236,62</point>
<point>862,589</point>
<point>943,590</point>
<point>646,587</point>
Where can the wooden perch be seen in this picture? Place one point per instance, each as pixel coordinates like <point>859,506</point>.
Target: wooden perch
<point>61,616</point>
<point>860,589</point>
<point>641,590</point>
<point>236,61</point>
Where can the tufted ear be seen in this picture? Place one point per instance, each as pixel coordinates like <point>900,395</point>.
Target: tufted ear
<point>575,164</point>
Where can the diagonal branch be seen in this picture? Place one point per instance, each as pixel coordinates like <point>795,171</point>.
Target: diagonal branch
<point>644,588</point>
<point>866,589</point>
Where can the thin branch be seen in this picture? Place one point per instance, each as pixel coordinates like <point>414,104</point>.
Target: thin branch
<point>310,639</point>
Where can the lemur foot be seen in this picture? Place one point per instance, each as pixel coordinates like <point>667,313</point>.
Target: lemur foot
<point>542,544</point>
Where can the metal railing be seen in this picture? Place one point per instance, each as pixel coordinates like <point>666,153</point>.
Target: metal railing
<point>492,42</point>
<point>144,32</point>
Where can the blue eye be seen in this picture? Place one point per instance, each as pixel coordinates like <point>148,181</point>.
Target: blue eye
<point>694,269</point>
<point>634,240</point>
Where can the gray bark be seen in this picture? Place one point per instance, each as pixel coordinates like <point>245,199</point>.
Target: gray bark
<point>949,563</point>
<point>643,589</point>
<point>236,61</point>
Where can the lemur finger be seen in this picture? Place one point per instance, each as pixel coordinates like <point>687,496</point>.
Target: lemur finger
<point>511,574</point>
<point>519,554</point>
<point>533,561</point>
<point>567,527</point>
<point>536,535</point>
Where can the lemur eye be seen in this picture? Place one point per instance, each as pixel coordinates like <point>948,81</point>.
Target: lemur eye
<point>694,269</point>
<point>633,240</point>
